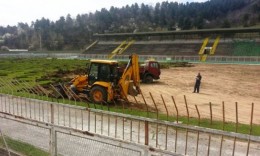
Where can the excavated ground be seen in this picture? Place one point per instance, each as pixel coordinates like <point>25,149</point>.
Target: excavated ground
<point>220,82</point>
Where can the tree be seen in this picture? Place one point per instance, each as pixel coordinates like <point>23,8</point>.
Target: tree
<point>199,22</point>
<point>226,24</point>
<point>74,33</point>
<point>245,20</point>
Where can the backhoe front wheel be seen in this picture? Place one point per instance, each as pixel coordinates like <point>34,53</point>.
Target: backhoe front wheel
<point>98,94</point>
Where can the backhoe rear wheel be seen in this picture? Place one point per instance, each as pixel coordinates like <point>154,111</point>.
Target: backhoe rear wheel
<point>98,94</point>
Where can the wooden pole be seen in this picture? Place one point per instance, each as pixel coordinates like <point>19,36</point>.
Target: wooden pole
<point>223,111</point>
<point>235,139</point>
<point>236,116</point>
<point>250,131</point>
<point>176,109</point>
<point>188,114</point>
<point>198,113</point>
<point>210,109</point>
<point>222,137</point>
<point>198,133</point>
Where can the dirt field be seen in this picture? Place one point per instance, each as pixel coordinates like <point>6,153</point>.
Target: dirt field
<point>228,83</point>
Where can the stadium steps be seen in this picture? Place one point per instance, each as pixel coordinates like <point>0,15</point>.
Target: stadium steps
<point>225,47</point>
<point>164,48</point>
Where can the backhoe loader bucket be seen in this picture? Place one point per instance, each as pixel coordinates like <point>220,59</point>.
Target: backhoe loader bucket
<point>131,90</point>
<point>59,88</point>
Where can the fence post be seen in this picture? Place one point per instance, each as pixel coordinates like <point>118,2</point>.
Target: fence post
<point>53,141</point>
<point>52,113</point>
<point>53,135</point>
<point>146,131</point>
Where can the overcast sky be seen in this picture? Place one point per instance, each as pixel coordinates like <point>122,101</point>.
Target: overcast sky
<point>26,11</point>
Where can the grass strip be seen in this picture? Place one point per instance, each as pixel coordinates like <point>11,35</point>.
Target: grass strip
<point>22,148</point>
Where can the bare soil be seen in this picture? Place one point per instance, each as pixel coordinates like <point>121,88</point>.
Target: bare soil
<point>220,83</point>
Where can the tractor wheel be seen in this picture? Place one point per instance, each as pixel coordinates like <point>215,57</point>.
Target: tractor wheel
<point>148,79</point>
<point>98,94</point>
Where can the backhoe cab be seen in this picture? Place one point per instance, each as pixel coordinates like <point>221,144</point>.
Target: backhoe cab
<point>104,83</point>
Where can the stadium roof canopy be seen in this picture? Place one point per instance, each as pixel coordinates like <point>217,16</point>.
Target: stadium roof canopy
<point>222,31</point>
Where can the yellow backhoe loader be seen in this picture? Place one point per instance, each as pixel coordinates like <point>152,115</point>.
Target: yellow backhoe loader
<point>105,83</point>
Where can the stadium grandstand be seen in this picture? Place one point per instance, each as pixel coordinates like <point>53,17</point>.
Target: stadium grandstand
<point>219,42</point>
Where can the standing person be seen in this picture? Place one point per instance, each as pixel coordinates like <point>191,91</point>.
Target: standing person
<point>197,83</point>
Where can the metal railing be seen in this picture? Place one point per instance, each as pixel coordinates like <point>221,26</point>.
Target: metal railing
<point>151,134</point>
<point>60,140</point>
<point>160,58</point>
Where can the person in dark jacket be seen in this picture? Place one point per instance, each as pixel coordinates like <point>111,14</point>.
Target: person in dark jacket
<point>197,83</point>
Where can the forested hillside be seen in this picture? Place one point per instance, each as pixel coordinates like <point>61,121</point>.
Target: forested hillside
<point>75,33</point>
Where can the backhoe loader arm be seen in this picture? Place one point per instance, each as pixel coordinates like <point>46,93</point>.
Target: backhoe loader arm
<point>130,78</point>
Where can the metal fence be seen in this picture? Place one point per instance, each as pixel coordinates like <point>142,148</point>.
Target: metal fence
<point>160,58</point>
<point>57,140</point>
<point>115,133</point>
<point>146,104</point>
